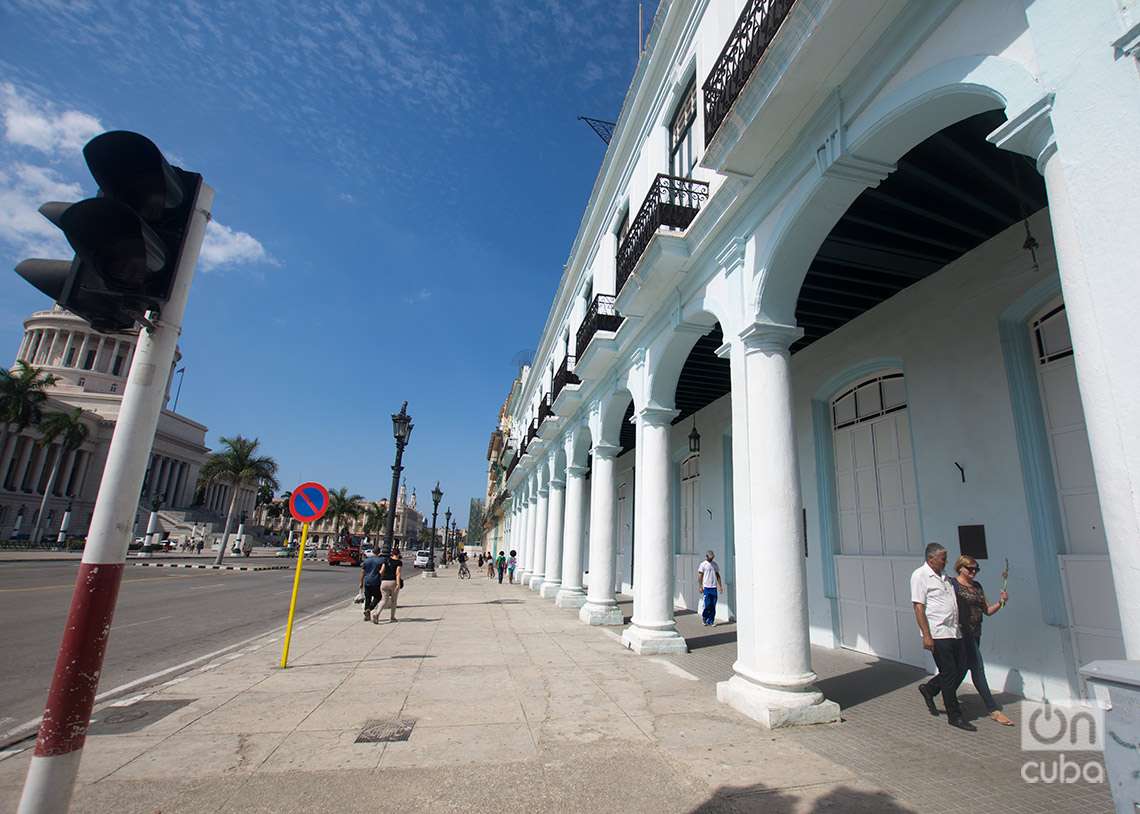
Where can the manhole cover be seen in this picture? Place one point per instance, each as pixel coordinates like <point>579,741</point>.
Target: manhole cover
<point>122,716</point>
<point>385,731</point>
<point>137,716</point>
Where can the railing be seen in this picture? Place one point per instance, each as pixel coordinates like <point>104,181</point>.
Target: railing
<point>750,37</point>
<point>564,376</point>
<point>513,464</point>
<point>602,315</point>
<point>544,411</point>
<point>671,202</point>
<point>532,433</point>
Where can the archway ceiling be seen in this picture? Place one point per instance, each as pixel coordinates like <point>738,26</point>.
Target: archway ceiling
<point>950,194</point>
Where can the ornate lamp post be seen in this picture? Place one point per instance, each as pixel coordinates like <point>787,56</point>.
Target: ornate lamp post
<point>402,430</point>
<point>446,526</point>
<point>436,497</point>
<point>454,540</point>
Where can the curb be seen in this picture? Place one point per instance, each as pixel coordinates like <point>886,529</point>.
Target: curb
<point>212,567</point>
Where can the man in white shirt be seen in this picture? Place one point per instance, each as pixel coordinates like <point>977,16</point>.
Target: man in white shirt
<point>708,578</point>
<point>936,611</point>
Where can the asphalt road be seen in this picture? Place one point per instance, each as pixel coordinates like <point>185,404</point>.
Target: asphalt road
<point>164,617</point>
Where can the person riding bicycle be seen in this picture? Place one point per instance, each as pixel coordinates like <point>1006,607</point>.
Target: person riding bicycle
<point>464,571</point>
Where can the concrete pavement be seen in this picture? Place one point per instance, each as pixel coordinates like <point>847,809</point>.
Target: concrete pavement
<point>513,705</point>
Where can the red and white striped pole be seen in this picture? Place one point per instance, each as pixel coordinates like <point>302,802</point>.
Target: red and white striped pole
<point>59,744</point>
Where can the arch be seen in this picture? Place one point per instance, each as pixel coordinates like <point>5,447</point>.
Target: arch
<point>611,413</point>
<point>579,440</point>
<point>922,106</point>
<point>668,354</point>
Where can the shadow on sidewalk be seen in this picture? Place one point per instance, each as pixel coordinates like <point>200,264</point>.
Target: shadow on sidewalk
<point>759,797</point>
<point>871,681</point>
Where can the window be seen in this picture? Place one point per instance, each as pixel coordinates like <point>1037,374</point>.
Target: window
<point>114,388</point>
<point>117,367</point>
<point>869,400</point>
<point>82,381</point>
<point>1051,333</point>
<point>89,360</point>
<point>69,360</point>
<point>682,156</point>
<point>623,227</point>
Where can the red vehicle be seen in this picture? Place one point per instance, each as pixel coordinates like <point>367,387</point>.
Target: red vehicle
<point>348,554</point>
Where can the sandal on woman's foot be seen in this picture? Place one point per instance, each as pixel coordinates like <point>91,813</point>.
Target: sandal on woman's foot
<point>1001,718</point>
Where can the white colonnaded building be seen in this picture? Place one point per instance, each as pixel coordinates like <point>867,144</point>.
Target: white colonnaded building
<point>91,371</point>
<point>853,277</point>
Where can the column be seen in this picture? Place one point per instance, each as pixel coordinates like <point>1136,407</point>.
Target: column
<point>570,594</point>
<point>81,487</point>
<point>773,679</point>
<point>38,469</point>
<point>538,547</point>
<point>7,454</point>
<point>552,580</point>
<point>24,342</point>
<point>71,484</point>
<point>170,481</point>
<point>654,629</point>
<point>68,346</point>
<point>528,542</point>
<point>64,473</point>
<point>83,348</point>
<point>601,606</point>
<point>180,485</point>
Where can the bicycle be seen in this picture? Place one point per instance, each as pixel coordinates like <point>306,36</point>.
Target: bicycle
<point>464,571</point>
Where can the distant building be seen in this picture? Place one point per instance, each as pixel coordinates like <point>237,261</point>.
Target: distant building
<point>91,369</point>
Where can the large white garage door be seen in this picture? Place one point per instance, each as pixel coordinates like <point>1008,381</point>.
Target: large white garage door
<point>1086,576</point>
<point>880,535</point>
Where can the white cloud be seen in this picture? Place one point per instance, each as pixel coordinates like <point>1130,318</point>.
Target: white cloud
<point>35,124</point>
<point>419,296</point>
<point>224,248</point>
<point>23,187</point>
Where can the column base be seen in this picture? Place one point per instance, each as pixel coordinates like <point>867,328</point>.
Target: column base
<point>593,614</point>
<point>549,589</point>
<point>534,582</point>
<point>524,577</point>
<point>648,642</point>
<point>570,598</point>
<point>773,708</point>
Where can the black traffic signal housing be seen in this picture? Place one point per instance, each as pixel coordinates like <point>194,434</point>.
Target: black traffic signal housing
<point>127,241</point>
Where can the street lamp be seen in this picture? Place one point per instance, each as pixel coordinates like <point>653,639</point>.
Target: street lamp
<point>402,431</point>
<point>446,526</point>
<point>436,496</point>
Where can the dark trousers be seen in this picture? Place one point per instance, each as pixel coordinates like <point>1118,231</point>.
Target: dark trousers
<point>708,613</point>
<point>371,597</point>
<point>501,570</point>
<point>950,658</point>
<point>977,668</point>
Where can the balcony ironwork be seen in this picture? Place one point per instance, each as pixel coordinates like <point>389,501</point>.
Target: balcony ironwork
<point>672,202</point>
<point>750,37</point>
<point>532,433</point>
<point>544,411</point>
<point>513,464</point>
<point>602,315</point>
<point>563,377</point>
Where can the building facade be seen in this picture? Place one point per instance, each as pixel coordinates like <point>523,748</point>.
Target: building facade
<point>91,371</point>
<point>853,278</point>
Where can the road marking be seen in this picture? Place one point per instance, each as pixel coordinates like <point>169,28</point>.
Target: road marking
<point>143,622</point>
<point>19,731</point>
<point>126,702</point>
<point>72,584</point>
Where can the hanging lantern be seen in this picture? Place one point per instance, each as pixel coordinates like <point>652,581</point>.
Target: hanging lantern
<point>694,439</point>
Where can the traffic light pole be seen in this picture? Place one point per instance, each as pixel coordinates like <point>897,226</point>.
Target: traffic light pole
<point>59,744</point>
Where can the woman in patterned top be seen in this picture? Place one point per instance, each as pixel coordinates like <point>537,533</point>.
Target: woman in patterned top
<point>972,606</point>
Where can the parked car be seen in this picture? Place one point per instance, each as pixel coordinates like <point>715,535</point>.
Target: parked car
<point>343,554</point>
<point>285,551</point>
<point>422,559</point>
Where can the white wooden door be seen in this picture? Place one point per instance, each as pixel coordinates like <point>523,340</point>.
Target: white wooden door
<point>625,573</point>
<point>685,593</point>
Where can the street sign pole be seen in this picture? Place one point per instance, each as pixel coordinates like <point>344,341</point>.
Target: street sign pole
<point>293,600</point>
<point>59,744</point>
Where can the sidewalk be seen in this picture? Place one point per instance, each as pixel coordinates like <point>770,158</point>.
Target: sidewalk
<point>514,706</point>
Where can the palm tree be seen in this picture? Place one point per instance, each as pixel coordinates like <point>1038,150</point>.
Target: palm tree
<point>22,395</point>
<point>375,516</point>
<point>237,465</point>
<point>343,506</point>
<point>69,431</point>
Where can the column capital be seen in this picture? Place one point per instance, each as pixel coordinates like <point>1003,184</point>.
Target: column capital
<point>1029,132</point>
<point>606,451</point>
<point>544,490</point>
<point>769,337</point>
<point>575,471</point>
<point>656,416</point>
<point>557,483</point>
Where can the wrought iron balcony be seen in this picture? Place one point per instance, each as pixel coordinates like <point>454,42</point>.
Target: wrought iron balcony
<point>544,411</point>
<point>750,37</point>
<point>602,315</point>
<point>563,377</point>
<point>533,431</point>
<point>513,464</point>
<point>672,202</point>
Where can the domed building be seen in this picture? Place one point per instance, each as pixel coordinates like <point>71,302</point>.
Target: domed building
<point>91,371</point>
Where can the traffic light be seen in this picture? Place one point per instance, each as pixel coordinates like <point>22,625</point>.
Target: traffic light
<point>127,241</point>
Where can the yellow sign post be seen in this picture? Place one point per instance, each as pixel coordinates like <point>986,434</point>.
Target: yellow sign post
<point>293,601</point>
<point>308,504</point>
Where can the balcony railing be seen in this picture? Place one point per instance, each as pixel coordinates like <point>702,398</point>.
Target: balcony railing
<point>602,315</point>
<point>563,377</point>
<point>513,464</point>
<point>672,202</point>
<point>544,411</point>
<point>532,433</point>
<point>750,37</point>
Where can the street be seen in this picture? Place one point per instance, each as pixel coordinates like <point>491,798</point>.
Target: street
<point>164,617</point>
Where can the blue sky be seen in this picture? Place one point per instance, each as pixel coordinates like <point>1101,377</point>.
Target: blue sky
<point>398,187</point>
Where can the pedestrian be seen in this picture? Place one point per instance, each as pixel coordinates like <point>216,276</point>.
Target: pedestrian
<point>490,565</point>
<point>708,579</point>
<point>972,606</point>
<point>501,565</point>
<point>511,564</point>
<point>199,547</point>
<point>480,560</point>
<point>370,581</point>
<point>936,611</point>
<point>391,578</point>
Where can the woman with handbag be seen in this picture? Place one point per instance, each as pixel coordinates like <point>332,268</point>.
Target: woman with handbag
<point>391,580</point>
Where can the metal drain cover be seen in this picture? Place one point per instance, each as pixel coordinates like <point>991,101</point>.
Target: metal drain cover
<point>385,731</point>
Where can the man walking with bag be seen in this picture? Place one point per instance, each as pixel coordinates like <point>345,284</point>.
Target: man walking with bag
<point>370,581</point>
<point>708,579</point>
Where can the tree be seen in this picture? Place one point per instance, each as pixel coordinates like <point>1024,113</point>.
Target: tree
<point>23,391</point>
<point>237,465</point>
<point>375,518</point>
<point>69,432</point>
<point>343,506</point>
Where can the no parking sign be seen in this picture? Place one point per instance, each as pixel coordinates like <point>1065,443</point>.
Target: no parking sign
<point>308,504</point>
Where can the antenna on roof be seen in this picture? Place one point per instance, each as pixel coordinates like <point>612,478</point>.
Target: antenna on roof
<point>604,129</point>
